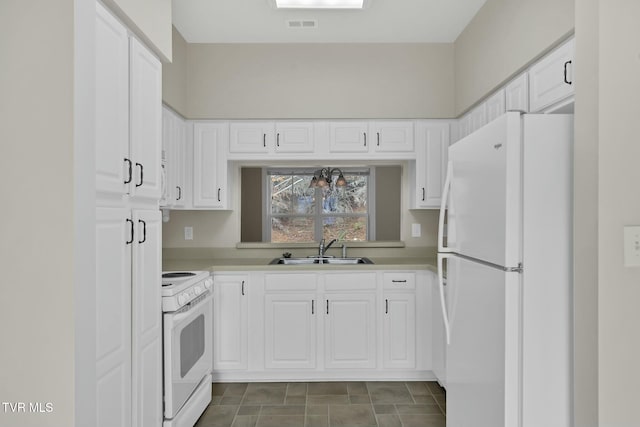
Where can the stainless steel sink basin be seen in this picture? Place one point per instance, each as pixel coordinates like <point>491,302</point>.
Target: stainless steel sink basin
<point>321,260</point>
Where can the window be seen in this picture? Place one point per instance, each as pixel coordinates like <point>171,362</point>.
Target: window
<point>297,212</point>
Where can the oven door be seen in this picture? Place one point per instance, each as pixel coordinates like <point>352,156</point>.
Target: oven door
<point>188,354</point>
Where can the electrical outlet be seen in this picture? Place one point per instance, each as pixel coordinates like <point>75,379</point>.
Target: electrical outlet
<point>415,230</point>
<point>632,246</point>
<point>188,233</point>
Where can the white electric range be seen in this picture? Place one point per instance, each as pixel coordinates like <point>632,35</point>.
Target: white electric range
<point>187,346</point>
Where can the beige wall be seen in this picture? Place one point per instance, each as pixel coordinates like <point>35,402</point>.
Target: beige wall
<point>586,217</point>
<point>37,227</point>
<point>235,81</point>
<point>618,205</point>
<point>503,37</point>
<point>150,19</point>
<point>174,76</point>
<point>319,81</point>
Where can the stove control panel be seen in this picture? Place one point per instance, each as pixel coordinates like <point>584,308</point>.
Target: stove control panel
<point>184,297</point>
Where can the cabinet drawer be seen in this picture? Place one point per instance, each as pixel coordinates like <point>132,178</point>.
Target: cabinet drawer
<point>349,281</point>
<point>399,281</point>
<point>290,282</point>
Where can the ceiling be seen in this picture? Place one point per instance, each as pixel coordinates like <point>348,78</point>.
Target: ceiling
<point>384,21</point>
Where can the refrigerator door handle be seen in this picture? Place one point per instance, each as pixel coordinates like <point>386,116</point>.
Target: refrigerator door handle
<point>443,209</point>
<point>443,304</point>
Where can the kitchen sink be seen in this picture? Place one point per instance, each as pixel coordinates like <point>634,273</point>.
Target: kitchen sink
<point>321,260</point>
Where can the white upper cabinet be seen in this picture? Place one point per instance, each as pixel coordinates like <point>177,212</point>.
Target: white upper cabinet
<point>551,78</point>
<point>112,105</point>
<point>294,137</point>
<point>210,180</point>
<point>432,143</point>
<point>495,105</point>
<point>174,138</point>
<point>392,136</point>
<point>349,137</point>
<point>145,121</point>
<point>517,94</point>
<point>251,137</point>
<point>478,117</point>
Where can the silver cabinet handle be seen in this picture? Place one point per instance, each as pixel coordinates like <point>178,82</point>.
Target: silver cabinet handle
<point>219,194</point>
<point>327,306</point>
<point>378,133</point>
<point>264,140</point>
<point>398,281</point>
<point>423,194</point>
<point>179,192</point>
<point>386,306</point>
<point>242,288</point>
<point>365,138</point>
<point>278,139</point>
<point>313,308</point>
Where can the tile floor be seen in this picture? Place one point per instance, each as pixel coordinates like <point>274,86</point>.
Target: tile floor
<point>326,404</point>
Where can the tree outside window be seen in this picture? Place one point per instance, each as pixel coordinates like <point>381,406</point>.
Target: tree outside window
<point>298,213</point>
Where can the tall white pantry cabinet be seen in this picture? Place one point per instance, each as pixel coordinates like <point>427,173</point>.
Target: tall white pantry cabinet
<point>128,228</point>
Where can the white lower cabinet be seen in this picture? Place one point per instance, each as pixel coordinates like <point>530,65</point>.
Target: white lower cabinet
<point>322,325</point>
<point>290,330</point>
<point>399,321</point>
<point>350,330</point>
<point>128,317</point>
<point>230,327</point>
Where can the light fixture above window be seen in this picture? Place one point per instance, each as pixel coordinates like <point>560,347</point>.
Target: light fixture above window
<point>324,178</point>
<point>320,4</point>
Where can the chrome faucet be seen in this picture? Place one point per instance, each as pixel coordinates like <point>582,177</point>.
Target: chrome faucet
<point>322,248</point>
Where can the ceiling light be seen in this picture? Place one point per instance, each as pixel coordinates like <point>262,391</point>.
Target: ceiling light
<point>320,4</point>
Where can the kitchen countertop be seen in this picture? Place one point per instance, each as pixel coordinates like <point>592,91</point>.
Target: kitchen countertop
<point>262,264</point>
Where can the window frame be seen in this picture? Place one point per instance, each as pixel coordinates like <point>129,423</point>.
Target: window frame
<point>318,214</point>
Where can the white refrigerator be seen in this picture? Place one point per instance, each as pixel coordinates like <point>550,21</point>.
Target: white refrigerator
<point>505,274</point>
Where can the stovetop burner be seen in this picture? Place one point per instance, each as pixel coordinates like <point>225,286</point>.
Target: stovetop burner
<point>177,274</point>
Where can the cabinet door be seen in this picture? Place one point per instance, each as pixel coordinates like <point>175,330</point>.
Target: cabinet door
<point>113,317</point>
<point>290,330</point>
<point>145,122</point>
<point>350,330</point>
<point>167,157</point>
<point>230,322</point>
<point>478,117</point>
<point>551,79</point>
<point>393,136</point>
<point>517,94</point>
<point>464,126</point>
<point>294,137</point>
<point>147,318</point>
<point>348,137</point>
<point>178,151</point>
<point>250,137</point>
<point>495,105</point>
<point>112,104</point>
<point>399,331</point>
<point>431,163</point>
<point>210,165</point>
